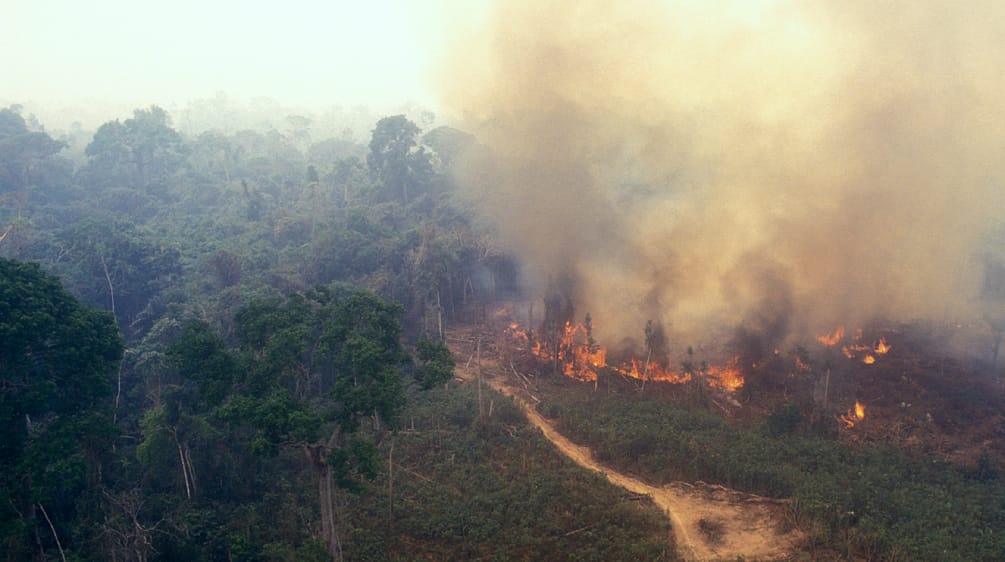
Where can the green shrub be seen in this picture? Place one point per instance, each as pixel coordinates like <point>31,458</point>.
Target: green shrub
<point>785,419</point>
<point>878,501</point>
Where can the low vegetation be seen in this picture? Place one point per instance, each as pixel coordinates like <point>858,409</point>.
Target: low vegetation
<point>494,489</point>
<point>872,502</point>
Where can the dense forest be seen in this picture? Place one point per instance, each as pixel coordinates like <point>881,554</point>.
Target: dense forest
<point>230,347</point>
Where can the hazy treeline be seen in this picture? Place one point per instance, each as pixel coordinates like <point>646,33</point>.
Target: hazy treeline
<point>268,287</point>
<point>240,211</point>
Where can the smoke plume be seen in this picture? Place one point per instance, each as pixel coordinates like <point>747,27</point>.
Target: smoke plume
<point>784,166</point>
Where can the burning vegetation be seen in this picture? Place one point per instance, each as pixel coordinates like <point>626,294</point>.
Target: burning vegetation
<point>916,397</point>
<point>854,415</point>
<point>718,182</point>
<point>764,176</point>
<point>855,349</point>
<point>579,356</point>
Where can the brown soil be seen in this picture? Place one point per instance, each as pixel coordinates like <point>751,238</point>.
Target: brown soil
<point>709,522</point>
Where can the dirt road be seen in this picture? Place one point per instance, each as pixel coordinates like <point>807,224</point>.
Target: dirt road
<point>709,522</point>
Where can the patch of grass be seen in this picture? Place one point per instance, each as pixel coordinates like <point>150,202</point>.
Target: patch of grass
<point>874,502</point>
<point>495,489</point>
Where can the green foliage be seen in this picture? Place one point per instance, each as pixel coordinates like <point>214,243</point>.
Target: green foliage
<point>878,499</point>
<point>55,354</point>
<point>494,489</point>
<point>401,167</point>
<point>55,358</point>
<point>142,152</point>
<point>436,363</point>
<point>156,447</point>
<point>276,419</point>
<point>358,461</point>
<point>203,245</point>
<point>201,356</point>
<point>361,336</point>
<point>322,342</point>
<point>113,265</point>
<point>24,154</point>
<point>785,419</point>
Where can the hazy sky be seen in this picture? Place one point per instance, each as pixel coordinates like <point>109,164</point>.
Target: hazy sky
<point>378,53</point>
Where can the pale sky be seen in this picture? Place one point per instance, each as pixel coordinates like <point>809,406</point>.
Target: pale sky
<point>378,53</point>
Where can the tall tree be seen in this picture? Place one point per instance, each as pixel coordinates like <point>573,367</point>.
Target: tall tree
<point>558,313</point>
<point>323,363</point>
<point>448,145</point>
<point>114,265</point>
<point>656,347</point>
<point>142,152</point>
<point>21,157</point>
<point>56,357</point>
<point>396,160</point>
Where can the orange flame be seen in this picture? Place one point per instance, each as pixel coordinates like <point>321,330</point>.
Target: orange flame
<point>582,359</point>
<point>853,415</point>
<point>832,339</point>
<point>881,347</point>
<point>656,372</point>
<point>868,359</point>
<point>727,377</point>
<point>850,351</point>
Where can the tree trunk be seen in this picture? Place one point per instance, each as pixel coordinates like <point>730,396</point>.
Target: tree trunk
<point>328,511</point>
<point>118,393</point>
<point>52,528</point>
<point>439,315</point>
<point>645,371</point>
<point>111,289</point>
<point>315,454</point>
<point>478,366</point>
<point>390,484</point>
<point>35,534</point>
<point>189,466</point>
<point>184,470</point>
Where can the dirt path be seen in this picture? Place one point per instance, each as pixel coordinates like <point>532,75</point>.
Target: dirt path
<point>709,522</point>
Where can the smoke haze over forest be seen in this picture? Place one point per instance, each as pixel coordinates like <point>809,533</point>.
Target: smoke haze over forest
<point>798,165</point>
<point>786,166</point>
<point>327,280</point>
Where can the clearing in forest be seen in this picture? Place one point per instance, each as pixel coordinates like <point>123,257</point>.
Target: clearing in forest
<point>709,522</point>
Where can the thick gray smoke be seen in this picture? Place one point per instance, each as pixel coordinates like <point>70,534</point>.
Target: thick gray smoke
<point>713,165</point>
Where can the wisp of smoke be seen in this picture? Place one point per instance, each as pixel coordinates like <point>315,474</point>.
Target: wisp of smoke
<point>782,166</point>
